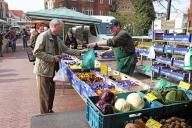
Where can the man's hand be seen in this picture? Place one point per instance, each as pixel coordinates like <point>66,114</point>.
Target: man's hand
<point>83,51</point>
<point>57,58</point>
<point>91,45</point>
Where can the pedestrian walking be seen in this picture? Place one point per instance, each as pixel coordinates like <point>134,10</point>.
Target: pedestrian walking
<point>1,44</point>
<point>25,37</point>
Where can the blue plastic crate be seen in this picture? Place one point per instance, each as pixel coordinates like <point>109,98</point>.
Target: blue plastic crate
<point>178,63</point>
<point>96,119</point>
<point>178,76</point>
<point>159,48</point>
<point>76,83</point>
<point>166,61</point>
<point>180,51</point>
<point>155,69</point>
<point>86,91</point>
<point>168,49</point>
<point>165,72</point>
<point>158,58</point>
<point>171,108</point>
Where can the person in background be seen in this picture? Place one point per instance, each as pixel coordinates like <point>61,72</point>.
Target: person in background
<point>1,44</point>
<point>32,33</point>
<point>25,37</point>
<point>12,38</point>
<point>47,51</point>
<point>122,47</point>
<point>39,30</point>
<point>70,40</point>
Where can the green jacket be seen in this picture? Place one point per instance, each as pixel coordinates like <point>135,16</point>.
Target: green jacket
<point>124,41</point>
<point>44,52</point>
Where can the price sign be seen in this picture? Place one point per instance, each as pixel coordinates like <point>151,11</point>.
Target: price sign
<point>150,96</point>
<point>153,124</point>
<point>109,69</point>
<point>97,64</point>
<point>115,73</point>
<point>104,69</point>
<point>184,85</point>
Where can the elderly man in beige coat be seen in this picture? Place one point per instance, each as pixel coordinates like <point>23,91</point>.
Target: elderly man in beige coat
<point>47,50</point>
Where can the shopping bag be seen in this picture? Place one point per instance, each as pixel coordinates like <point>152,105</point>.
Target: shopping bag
<point>151,54</point>
<point>88,61</point>
<point>161,83</point>
<point>61,76</point>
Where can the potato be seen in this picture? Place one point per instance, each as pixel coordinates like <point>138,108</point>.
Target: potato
<point>168,121</point>
<point>177,126</point>
<point>173,118</point>
<point>173,123</point>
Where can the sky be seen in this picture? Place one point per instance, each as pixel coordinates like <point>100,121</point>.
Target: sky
<point>35,5</point>
<point>25,5</point>
<point>180,6</point>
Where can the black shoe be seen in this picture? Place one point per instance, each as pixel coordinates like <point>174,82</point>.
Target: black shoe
<point>51,111</point>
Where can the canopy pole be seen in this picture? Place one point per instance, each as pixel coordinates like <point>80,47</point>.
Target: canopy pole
<point>63,31</point>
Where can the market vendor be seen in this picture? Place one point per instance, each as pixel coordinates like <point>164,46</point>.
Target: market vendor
<point>122,47</point>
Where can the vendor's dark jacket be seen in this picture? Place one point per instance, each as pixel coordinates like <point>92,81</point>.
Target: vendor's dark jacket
<point>123,40</point>
<point>68,42</point>
<point>44,52</point>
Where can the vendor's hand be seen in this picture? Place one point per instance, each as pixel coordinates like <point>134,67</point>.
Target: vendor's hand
<point>91,45</point>
<point>102,54</point>
<point>57,58</point>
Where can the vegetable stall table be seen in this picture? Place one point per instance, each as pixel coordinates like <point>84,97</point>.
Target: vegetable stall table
<point>67,119</point>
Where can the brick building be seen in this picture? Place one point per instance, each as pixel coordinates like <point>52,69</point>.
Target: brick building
<point>92,7</point>
<point>190,14</point>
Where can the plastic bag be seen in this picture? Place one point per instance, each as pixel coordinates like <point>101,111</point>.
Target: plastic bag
<point>147,69</point>
<point>151,54</point>
<point>61,76</point>
<point>88,61</point>
<point>161,83</point>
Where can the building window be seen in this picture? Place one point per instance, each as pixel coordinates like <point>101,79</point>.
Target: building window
<point>100,12</point>
<point>83,11</point>
<point>90,0</point>
<point>110,2</point>
<point>101,1</point>
<point>73,8</point>
<point>89,11</point>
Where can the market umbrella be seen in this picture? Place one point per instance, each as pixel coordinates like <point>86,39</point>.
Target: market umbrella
<point>3,22</point>
<point>66,15</point>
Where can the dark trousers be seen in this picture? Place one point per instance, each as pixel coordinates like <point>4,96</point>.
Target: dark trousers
<point>46,87</point>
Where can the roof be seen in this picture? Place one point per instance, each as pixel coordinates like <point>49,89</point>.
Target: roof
<point>6,8</point>
<point>17,12</point>
<point>66,15</point>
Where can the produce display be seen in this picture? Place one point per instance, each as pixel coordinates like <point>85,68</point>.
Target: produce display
<point>133,102</point>
<point>140,46</point>
<point>88,77</point>
<point>130,85</point>
<point>106,102</point>
<point>100,86</point>
<point>174,122</point>
<point>169,95</point>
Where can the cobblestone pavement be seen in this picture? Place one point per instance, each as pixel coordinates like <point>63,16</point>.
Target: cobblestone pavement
<point>18,91</point>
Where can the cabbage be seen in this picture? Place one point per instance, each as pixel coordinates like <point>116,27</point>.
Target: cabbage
<point>136,101</point>
<point>121,105</point>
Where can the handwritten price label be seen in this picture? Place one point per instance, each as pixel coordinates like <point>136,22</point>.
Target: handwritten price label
<point>184,85</point>
<point>109,69</point>
<point>97,64</point>
<point>153,124</point>
<point>104,69</point>
<point>150,96</point>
